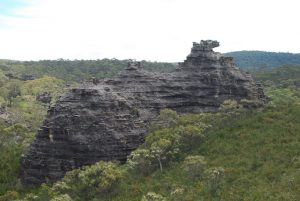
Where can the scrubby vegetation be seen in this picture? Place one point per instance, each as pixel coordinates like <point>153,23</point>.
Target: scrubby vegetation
<point>20,116</point>
<point>76,70</point>
<point>263,60</point>
<point>236,154</point>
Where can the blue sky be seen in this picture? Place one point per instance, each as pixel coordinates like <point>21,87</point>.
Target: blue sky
<point>7,7</point>
<point>156,30</point>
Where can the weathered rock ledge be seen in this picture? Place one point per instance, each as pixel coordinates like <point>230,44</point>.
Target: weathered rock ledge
<point>107,119</point>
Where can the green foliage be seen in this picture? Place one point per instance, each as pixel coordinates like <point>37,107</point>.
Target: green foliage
<point>163,151</point>
<point>231,107</point>
<point>76,70</point>
<point>30,197</point>
<point>263,60</point>
<point>194,166</point>
<point>64,197</point>
<point>45,84</point>
<point>167,118</point>
<point>214,178</point>
<point>257,149</point>
<point>10,90</point>
<point>12,141</point>
<point>151,196</point>
<point>15,134</point>
<point>10,196</point>
<point>191,136</point>
<point>20,117</point>
<point>287,76</point>
<point>89,181</point>
<point>140,161</point>
<point>177,194</point>
<point>170,135</point>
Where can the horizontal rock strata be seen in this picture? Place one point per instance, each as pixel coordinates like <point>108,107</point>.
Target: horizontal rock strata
<point>107,119</point>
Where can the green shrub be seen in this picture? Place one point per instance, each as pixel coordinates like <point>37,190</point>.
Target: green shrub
<point>31,197</point>
<point>9,196</point>
<point>194,166</point>
<point>151,196</point>
<point>177,194</point>
<point>89,181</point>
<point>140,161</point>
<point>163,151</point>
<point>167,118</point>
<point>64,197</point>
<point>231,107</point>
<point>214,179</point>
<point>191,136</point>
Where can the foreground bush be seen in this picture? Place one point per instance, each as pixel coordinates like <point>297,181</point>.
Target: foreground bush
<point>9,196</point>
<point>214,179</point>
<point>64,197</point>
<point>170,136</point>
<point>194,166</point>
<point>153,197</point>
<point>103,177</point>
<point>140,161</point>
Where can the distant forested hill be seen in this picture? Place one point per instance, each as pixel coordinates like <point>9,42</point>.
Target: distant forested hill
<point>261,59</point>
<point>283,76</point>
<point>75,70</point>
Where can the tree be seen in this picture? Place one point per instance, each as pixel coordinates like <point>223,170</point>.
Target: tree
<point>140,160</point>
<point>89,181</point>
<point>162,150</point>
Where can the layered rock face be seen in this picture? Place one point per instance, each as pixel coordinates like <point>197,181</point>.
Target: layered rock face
<point>107,119</point>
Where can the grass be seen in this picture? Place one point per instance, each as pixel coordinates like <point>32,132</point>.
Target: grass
<point>258,153</point>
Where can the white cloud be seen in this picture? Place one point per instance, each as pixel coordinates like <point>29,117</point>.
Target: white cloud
<point>154,30</point>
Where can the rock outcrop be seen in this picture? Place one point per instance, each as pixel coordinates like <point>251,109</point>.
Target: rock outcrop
<point>107,119</point>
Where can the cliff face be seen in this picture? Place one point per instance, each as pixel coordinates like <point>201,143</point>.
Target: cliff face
<point>107,119</point>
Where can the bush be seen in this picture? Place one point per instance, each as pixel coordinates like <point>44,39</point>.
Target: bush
<point>9,196</point>
<point>214,178</point>
<point>31,197</point>
<point>231,107</point>
<point>141,161</point>
<point>153,197</point>
<point>64,197</point>
<point>89,181</point>
<point>167,118</point>
<point>191,136</point>
<point>163,145</point>
<point>194,166</point>
<point>177,194</point>
<point>163,151</point>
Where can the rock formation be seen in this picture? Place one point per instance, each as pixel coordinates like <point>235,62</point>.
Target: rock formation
<point>107,119</point>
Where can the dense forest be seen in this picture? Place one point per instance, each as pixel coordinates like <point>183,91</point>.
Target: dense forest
<point>235,154</point>
<point>74,70</point>
<point>79,70</point>
<point>261,60</point>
